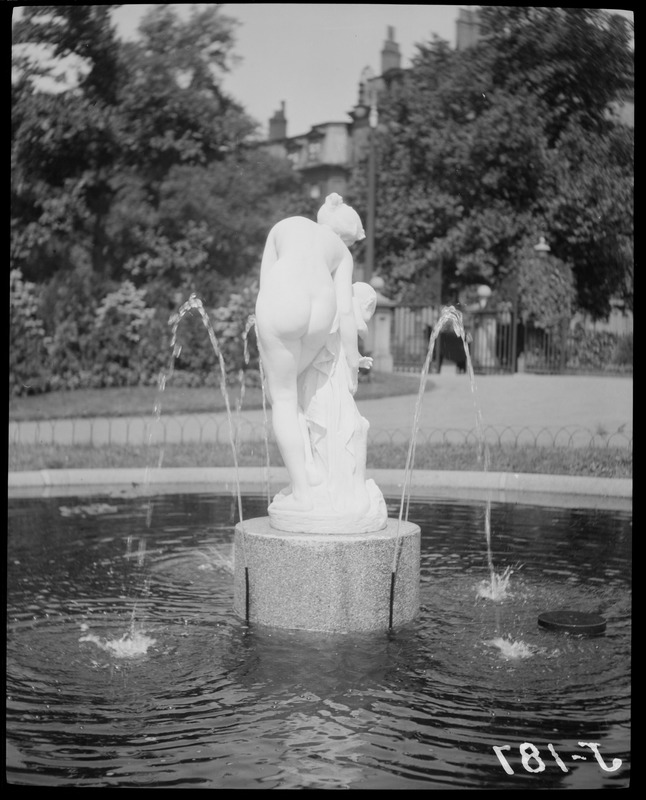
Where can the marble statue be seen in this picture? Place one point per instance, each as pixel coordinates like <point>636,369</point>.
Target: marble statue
<point>308,318</point>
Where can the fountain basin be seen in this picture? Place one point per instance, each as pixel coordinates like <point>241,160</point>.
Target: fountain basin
<point>127,668</point>
<point>326,582</point>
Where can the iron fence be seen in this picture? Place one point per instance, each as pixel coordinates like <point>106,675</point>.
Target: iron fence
<point>497,345</point>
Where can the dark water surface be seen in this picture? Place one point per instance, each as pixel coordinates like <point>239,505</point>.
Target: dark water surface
<point>126,666</point>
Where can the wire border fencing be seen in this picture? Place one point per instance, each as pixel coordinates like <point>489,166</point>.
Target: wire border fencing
<point>212,429</point>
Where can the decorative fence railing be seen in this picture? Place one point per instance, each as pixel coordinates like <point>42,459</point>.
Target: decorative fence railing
<point>211,429</point>
<point>496,345</point>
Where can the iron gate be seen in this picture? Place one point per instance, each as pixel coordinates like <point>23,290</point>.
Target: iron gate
<point>490,335</point>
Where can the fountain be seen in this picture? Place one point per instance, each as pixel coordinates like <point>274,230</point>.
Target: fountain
<point>126,668</point>
<point>326,557</point>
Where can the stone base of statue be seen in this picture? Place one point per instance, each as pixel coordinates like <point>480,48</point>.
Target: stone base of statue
<point>331,514</point>
<point>334,582</point>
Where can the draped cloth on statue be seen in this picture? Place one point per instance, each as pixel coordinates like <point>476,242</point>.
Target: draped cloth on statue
<point>335,437</point>
<point>332,419</point>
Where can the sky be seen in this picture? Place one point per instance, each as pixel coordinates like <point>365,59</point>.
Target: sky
<point>311,55</point>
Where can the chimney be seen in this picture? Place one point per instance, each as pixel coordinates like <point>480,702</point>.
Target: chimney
<point>467,28</point>
<point>278,125</point>
<point>390,55</point>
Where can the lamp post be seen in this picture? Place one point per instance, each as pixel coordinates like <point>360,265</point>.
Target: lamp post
<point>372,189</point>
<point>542,248</point>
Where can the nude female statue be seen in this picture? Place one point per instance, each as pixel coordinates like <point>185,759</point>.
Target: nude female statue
<point>305,290</point>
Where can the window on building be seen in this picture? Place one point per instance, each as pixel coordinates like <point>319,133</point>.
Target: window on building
<point>313,151</point>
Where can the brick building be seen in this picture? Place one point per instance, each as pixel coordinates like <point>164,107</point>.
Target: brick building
<point>325,155</point>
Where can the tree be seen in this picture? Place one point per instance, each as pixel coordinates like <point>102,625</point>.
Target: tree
<point>137,182</point>
<point>64,145</point>
<point>137,110</point>
<point>174,109</point>
<point>575,61</point>
<point>82,31</point>
<point>480,150</point>
<point>588,205</point>
<point>459,166</point>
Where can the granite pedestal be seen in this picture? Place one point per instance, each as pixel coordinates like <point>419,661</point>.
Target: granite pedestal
<point>326,582</point>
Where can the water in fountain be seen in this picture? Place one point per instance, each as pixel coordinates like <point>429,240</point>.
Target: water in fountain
<point>183,694</point>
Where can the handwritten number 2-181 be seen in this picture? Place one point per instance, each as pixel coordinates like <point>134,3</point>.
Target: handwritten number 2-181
<point>534,763</point>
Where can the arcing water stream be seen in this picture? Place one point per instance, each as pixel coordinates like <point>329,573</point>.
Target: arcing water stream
<point>194,303</point>
<point>451,316</point>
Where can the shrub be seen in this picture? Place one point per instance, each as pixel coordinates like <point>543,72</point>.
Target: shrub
<point>28,358</point>
<point>198,363</point>
<point>114,338</point>
<point>591,349</point>
<point>68,306</point>
<point>233,324</point>
<point>623,352</point>
<point>120,318</point>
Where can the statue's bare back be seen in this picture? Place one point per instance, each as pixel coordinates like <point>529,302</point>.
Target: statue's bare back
<point>297,297</point>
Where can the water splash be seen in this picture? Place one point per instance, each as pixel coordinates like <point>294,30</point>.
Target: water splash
<point>134,642</point>
<point>130,645</point>
<point>140,554</point>
<point>90,510</point>
<point>216,559</point>
<point>512,649</point>
<point>496,588</point>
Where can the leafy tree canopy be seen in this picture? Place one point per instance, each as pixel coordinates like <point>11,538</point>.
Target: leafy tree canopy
<point>482,149</point>
<point>174,109</point>
<point>142,167</point>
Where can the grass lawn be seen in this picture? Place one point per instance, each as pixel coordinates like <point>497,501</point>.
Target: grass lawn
<point>590,462</point>
<point>140,400</point>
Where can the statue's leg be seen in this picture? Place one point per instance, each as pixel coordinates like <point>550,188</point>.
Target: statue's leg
<point>280,361</point>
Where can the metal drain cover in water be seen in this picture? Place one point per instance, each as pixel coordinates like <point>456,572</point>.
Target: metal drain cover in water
<point>572,621</point>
